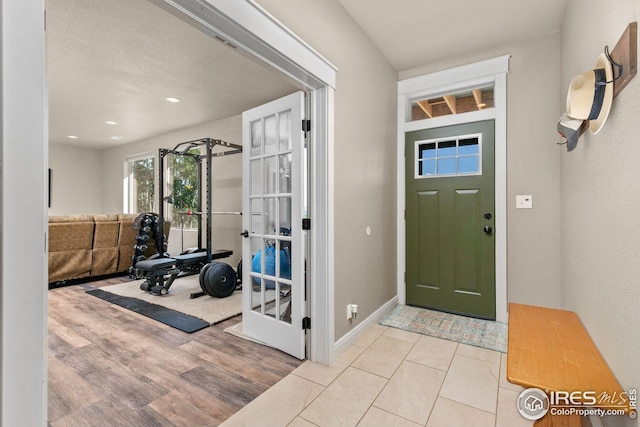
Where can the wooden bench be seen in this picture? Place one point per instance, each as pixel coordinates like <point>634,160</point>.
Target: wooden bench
<point>551,350</point>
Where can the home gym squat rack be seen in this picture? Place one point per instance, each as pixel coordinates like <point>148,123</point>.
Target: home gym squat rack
<point>216,278</point>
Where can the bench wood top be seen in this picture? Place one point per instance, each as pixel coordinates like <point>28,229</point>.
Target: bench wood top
<point>550,349</point>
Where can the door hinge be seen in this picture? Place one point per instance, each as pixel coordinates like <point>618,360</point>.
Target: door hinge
<point>306,223</point>
<point>306,125</point>
<point>306,323</point>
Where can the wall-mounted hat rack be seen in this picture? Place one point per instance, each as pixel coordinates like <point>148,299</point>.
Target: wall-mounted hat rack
<point>624,53</point>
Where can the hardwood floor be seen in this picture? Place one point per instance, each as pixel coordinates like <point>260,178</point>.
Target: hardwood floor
<point>109,366</point>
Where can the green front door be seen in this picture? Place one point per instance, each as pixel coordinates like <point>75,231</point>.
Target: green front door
<point>450,219</point>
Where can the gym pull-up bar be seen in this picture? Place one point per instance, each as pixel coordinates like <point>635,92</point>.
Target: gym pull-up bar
<point>182,149</point>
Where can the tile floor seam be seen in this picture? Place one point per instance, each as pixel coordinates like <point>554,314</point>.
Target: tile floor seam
<point>386,380</point>
<point>367,372</point>
<point>374,401</point>
<point>439,388</point>
<point>315,382</point>
<point>468,406</point>
<point>302,418</point>
<point>299,414</point>
<point>476,359</point>
<point>392,413</point>
<point>498,394</point>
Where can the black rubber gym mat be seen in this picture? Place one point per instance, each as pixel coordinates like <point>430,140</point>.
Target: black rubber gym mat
<point>165,315</point>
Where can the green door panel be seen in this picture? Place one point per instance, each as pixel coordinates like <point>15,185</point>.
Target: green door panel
<point>450,255</point>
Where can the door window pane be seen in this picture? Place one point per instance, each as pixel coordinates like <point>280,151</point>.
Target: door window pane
<point>256,138</point>
<point>447,166</point>
<point>468,165</point>
<point>270,175</point>
<point>284,135</point>
<point>427,167</point>
<point>270,134</point>
<point>449,156</point>
<point>285,173</point>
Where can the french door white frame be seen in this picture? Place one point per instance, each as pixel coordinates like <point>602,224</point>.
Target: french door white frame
<point>254,32</point>
<point>492,71</point>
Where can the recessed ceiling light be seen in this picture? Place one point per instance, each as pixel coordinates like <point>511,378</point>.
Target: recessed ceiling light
<point>173,99</point>
<point>111,122</point>
<point>116,138</point>
<point>72,137</point>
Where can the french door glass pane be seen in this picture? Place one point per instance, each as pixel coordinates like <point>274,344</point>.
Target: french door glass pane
<point>256,173</point>
<point>270,142</point>
<point>285,173</point>
<point>256,216</point>
<point>269,216</point>
<point>285,131</point>
<point>270,174</point>
<point>256,138</point>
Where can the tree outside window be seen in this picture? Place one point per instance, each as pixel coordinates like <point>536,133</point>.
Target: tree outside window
<point>184,189</point>
<point>141,185</point>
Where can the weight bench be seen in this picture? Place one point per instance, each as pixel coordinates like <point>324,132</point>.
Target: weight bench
<point>156,270</point>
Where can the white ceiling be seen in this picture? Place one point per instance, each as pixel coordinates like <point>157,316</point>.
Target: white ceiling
<point>411,33</point>
<point>119,59</point>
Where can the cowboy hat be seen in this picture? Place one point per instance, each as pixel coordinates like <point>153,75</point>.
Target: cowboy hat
<point>591,94</point>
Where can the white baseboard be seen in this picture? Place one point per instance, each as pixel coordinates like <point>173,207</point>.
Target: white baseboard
<point>351,337</point>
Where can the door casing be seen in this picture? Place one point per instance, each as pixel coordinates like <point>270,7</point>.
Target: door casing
<point>259,35</point>
<point>492,71</point>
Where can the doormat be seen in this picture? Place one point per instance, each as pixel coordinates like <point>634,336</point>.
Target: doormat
<point>487,334</point>
<point>211,309</point>
<point>173,318</point>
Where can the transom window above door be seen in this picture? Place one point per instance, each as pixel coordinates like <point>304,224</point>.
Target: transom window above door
<point>451,156</point>
<point>455,103</point>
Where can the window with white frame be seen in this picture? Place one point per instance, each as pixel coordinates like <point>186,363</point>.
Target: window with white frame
<point>451,156</point>
<point>141,186</point>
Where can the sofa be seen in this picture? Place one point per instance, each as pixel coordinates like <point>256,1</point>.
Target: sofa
<point>85,246</point>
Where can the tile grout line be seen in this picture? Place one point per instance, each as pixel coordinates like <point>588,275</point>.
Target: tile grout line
<point>387,381</point>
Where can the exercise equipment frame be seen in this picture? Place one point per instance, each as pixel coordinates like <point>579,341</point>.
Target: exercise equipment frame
<point>222,284</point>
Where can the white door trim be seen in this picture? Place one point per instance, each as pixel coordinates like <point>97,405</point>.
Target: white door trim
<point>254,32</point>
<point>440,83</point>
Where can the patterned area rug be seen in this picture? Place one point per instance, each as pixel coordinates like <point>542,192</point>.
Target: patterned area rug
<point>467,330</point>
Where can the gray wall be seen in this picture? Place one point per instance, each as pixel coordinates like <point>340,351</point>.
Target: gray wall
<point>600,203</point>
<point>76,181</point>
<point>364,157</point>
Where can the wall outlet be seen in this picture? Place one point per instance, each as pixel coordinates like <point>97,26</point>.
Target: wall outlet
<point>524,201</point>
<point>349,312</point>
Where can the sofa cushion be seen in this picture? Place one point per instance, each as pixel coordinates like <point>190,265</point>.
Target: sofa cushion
<point>64,236</point>
<point>72,264</point>
<point>71,218</point>
<point>101,218</point>
<point>105,261</point>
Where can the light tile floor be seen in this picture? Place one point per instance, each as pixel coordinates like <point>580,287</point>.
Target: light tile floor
<point>392,378</point>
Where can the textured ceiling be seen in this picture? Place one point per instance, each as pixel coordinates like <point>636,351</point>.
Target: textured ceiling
<point>411,33</point>
<point>118,60</point>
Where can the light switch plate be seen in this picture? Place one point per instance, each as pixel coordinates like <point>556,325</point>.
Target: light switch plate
<point>524,201</point>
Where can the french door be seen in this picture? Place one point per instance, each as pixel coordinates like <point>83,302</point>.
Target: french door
<point>273,250</point>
